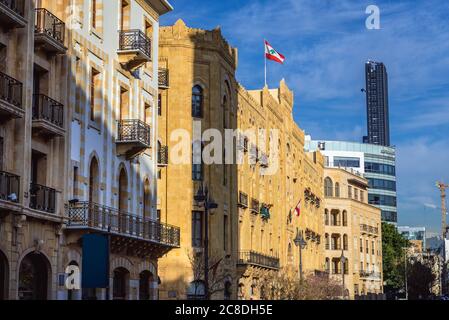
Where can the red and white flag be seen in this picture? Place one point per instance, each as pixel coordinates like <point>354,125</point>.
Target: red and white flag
<point>298,209</point>
<point>272,54</point>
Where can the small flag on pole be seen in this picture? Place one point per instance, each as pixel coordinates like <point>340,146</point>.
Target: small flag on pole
<point>298,209</point>
<point>272,54</point>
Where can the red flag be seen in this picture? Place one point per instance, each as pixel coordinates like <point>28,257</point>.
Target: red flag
<point>272,54</point>
<point>298,209</point>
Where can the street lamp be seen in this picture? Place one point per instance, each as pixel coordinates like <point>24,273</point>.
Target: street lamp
<point>343,262</point>
<point>202,196</point>
<point>301,244</point>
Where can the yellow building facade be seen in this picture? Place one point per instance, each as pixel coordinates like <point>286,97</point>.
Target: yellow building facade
<point>251,232</point>
<point>284,177</point>
<point>353,234</point>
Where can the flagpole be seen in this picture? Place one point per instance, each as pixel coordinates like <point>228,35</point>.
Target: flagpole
<point>265,60</point>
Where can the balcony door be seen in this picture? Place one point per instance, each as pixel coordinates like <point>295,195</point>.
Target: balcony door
<point>124,104</point>
<point>124,15</point>
<point>1,153</point>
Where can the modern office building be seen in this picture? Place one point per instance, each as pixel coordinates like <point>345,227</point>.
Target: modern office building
<point>416,235</point>
<point>377,111</point>
<point>377,164</point>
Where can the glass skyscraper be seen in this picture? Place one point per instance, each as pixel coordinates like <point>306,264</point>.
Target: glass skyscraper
<point>378,121</point>
<point>377,163</point>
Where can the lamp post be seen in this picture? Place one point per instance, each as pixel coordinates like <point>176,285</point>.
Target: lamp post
<point>301,244</point>
<point>343,262</point>
<point>202,196</point>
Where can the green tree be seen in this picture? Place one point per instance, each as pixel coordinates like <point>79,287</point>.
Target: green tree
<point>393,244</point>
<point>420,279</point>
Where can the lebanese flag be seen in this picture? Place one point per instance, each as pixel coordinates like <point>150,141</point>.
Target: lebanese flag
<point>272,54</point>
<point>298,209</point>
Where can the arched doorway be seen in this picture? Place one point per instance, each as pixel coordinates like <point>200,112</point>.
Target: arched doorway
<point>94,181</point>
<point>121,284</point>
<point>33,277</point>
<point>146,280</point>
<point>4,276</point>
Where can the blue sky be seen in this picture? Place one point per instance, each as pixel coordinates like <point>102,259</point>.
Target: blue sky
<point>326,45</point>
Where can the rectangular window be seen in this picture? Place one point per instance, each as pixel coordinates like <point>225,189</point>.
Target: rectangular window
<point>94,14</point>
<point>1,153</point>
<point>356,194</point>
<point>346,162</point>
<point>349,192</point>
<point>158,215</point>
<point>124,103</point>
<point>79,90</point>
<point>94,107</point>
<point>197,229</point>
<point>159,104</point>
<point>361,247</point>
<point>367,246</point>
<point>225,232</point>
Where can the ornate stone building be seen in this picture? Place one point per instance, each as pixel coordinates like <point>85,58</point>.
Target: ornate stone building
<point>78,145</point>
<point>282,178</point>
<point>200,95</point>
<point>353,236</point>
<point>33,147</point>
<point>253,228</point>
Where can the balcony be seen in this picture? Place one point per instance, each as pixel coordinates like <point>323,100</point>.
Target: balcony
<point>369,230</point>
<point>255,206</point>
<point>9,191</point>
<point>133,138</point>
<point>162,156</point>
<point>370,275</point>
<point>49,32</point>
<point>42,198</point>
<point>12,13</point>
<point>243,200</point>
<point>136,235</point>
<point>255,259</point>
<point>134,49</point>
<point>10,98</point>
<point>164,79</point>
<point>48,116</point>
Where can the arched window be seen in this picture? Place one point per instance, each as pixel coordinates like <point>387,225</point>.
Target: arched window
<point>328,187</point>
<point>345,219</point>
<point>94,181</point>
<point>327,242</point>
<point>337,190</point>
<point>197,102</point>
<point>123,191</point>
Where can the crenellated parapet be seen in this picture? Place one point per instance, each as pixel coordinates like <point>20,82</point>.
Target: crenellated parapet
<point>201,39</point>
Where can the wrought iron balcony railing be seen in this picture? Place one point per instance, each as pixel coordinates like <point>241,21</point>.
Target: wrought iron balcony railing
<point>42,198</point>
<point>45,108</point>
<point>134,131</point>
<point>47,23</point>
<point>258,259</point>
<point>243,200</point>
<point>370,274</point>
<point>11,90</point>
<point>162,156</point>
<point>369,229</point>
<point>164,78</point>
<point>135,40</point>
<point>106,219</point>
<point>16,6</point>
<point>9,187</point>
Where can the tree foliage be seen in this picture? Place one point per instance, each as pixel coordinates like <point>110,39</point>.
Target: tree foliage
<point>284,285</point>
<point>393,252</point>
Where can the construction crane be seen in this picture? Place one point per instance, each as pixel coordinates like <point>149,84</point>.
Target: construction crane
<point>442,187</point>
